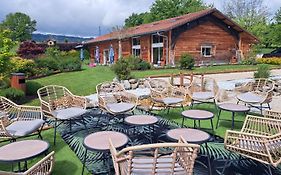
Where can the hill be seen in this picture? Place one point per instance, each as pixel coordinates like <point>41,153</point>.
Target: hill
<point>40,37</point>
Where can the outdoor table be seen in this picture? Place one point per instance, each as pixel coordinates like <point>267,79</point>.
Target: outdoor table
<point>142,120</point>
<point>22,151</point>
<point>99,141</point>
<point>233,108</point>
<point>192,136</point>
<point>197,115</point>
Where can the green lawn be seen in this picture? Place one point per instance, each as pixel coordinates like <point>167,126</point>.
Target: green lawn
<point>84,83</point>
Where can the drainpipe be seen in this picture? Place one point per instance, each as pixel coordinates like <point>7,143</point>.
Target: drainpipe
<point>167,52</point>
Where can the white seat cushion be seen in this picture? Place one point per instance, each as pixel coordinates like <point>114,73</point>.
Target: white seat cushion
<point>23,128</point>
<point>120,107</point>
<point>144,165</point>
<point>172,100</point>
<point>68,113</point>
<point>203,95</point>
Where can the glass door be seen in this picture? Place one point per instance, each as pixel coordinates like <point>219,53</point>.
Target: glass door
<point>157,55</point>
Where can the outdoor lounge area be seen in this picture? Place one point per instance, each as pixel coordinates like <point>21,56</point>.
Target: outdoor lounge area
<point>128,132</point>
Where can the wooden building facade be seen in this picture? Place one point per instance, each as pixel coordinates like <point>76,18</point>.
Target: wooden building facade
<point>208,35</point>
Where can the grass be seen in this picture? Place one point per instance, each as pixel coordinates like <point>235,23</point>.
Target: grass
<point>84,83</point>
<point>66,162</point>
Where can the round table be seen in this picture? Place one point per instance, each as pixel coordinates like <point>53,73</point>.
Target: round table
<point>99,141</point>
<point>142,120</point>
<point>197,115</point>
<point>21,151</point>
<point>195,136</point>
<point>233,108</point>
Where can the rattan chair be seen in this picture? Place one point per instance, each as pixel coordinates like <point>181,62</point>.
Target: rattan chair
<point>18,120</point>
<point>256,93</point>
<point>163,94</point>
<point>259,139</point>
<point>58,103</point>
<point>160,158</point>
<point>43,167</point>
<point>272,114</point>
<point>203,90</point>
<point>113,99</point>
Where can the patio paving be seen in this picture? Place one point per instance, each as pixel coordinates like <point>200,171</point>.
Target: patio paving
<point>96,166</point>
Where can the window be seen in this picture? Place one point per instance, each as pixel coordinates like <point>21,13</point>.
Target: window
<point>157,39</point>
<point>206,51</point>
<point>136,47</point>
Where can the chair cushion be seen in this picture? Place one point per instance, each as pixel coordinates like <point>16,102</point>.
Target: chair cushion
<point>172,100</point>
<point>68,113</point>
<point>250,97</point>
<point>203,95</point>
<point>144,165</point>
<point>23,128</point>
<point>120,107</point>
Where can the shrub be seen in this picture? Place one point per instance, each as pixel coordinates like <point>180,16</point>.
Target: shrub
<point>48,62</point>
<point>21,65</point>
<point>122,69</point>
<point>70,64</point>
<point>143,65</point>
<point>13,94</point>
<point>29,49</point>
<point>250,59</point>
<point>32,87</point>
<point>186,61</point>
<point>136,63</point>
<point>272,60</point>
<point>4,82</point>
<point>263,71</point>
<point>53,52</point>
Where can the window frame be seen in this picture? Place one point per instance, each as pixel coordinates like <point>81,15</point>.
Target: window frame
<point>136,47</point>
<point>207,47</point>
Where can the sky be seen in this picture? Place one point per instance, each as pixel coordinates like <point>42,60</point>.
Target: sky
<point>83,17</point>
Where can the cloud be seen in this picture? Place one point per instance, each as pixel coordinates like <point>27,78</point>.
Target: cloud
<point>83,17</point>
<point>79,17</point>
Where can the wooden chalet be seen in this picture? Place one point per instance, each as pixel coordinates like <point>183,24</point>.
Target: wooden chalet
<point>209,35</point>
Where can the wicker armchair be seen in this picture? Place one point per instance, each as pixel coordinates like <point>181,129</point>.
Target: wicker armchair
<point>203,90</point>
<point>43,167</point>
<point>58,103</point>
<point>259,139</point>
<point>18,120</point>
<point>160,158</point>
<point>272,114</point>
<point>256,93</point>
<point>163,94</point>
<point>113,99</point>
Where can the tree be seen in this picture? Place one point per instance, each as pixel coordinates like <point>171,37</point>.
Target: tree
<point>29,49</point>
<point>135,19</point>
<point>6,45</point>
<point>275,29</point>
<point>164,9</point>
<point>20,25</point>
<point>247,13</point>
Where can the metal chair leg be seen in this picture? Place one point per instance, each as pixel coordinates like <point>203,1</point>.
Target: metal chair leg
<point>226,162</point>
<point>219,113</point>
<point>269,169</point>
<point>55,132</point>
<point>84,161</point>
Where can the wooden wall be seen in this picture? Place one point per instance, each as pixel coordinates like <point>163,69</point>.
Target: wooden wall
<point>208,33</point>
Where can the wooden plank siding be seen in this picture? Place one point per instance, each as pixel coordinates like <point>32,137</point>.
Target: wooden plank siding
<point>208,33</point>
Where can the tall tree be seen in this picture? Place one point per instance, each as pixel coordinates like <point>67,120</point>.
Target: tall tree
<point>275,29</point>
<point>247,13</point>
<point>163,9</point>
<point>20,25</point>
<point>135,19</point>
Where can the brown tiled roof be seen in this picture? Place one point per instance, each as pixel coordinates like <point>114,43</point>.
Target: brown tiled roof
<point>166,25</point>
